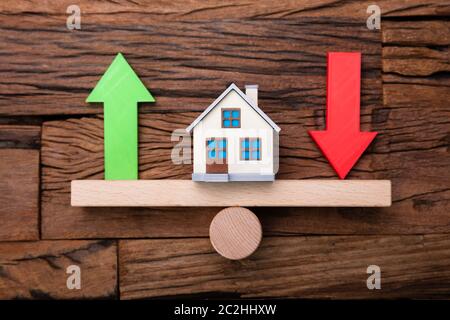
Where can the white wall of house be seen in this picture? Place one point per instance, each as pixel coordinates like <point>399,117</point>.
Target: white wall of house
<point>252,126</point>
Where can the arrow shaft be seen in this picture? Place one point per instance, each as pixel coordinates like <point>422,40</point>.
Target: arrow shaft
<point>343,91</point>
<point>121,140</point>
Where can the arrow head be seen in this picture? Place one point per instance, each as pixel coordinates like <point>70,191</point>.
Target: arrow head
<point>342,150</point>
<point>121,84</point>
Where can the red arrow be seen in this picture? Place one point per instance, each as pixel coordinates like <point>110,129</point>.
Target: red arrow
<point>342,142</point>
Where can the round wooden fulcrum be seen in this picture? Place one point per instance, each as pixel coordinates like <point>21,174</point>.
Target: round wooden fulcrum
<point>235,233</point>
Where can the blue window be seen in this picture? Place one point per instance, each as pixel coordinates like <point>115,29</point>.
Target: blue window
<point>222,144</point>
<point>251,149</point>
<point>231,118</point>
<point>216,150</point>
<point>211,144</point>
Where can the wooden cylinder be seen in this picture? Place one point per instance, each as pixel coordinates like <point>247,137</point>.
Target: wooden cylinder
<point>235,233</point>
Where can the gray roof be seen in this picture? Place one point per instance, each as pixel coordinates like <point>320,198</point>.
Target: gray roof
<point>243,96</point>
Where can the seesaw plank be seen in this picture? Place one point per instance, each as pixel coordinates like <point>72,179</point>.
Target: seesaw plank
<point>186,193</point>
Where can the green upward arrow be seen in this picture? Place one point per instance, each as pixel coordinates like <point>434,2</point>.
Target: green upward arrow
<point>120,90</point>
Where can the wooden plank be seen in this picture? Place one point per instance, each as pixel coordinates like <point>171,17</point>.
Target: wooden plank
<point>432,84</point>
<point>185,64</point>
<point>418,48</point>
<point>415,61</point>
<point>37,270</point>
<point>130,12</point>
<point>19,193</point>
<point>20,136</point>
<point>426,95</point>
<point>414,266</point>
<point>187,193</point>
<point>420,33</point>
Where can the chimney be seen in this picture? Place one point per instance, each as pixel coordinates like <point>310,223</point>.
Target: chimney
<point>251,91</point>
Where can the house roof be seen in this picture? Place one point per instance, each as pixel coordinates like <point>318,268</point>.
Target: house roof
<point>244,97</point>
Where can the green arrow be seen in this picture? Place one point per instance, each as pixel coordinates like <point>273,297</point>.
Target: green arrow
<point>120,90</point>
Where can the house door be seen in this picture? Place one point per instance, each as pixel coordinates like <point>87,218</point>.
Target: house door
<point>216,155</point>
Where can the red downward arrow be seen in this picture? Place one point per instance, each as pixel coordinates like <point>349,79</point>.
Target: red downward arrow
<point>343,143</point>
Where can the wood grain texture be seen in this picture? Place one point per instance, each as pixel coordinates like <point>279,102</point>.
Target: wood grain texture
<point>37,270</point>
<point>185,64</point>
<point>148,10</point>
<point>418,33</point>
<point>235,233</point>
<point>302,267</point>
<point>20,136</point>
<point>19,194</point>
<point>415,61</point>
<point>186,53</point>
<point>416,48</point>
<point>188,193</point>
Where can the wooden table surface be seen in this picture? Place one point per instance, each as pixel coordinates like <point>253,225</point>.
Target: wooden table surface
<point>186,53</point>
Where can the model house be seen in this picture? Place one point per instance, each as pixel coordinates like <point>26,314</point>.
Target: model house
<point>234,140</point>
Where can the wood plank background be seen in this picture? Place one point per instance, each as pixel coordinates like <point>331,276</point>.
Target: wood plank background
<point>37,270</point>
<point>288,267</point>
<point>186,54</point>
